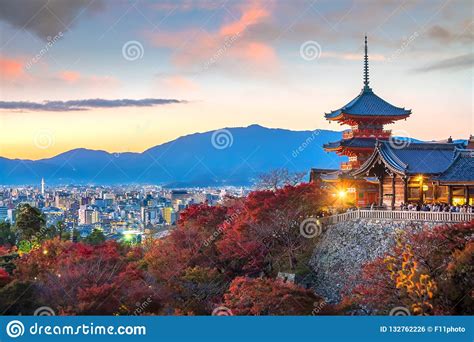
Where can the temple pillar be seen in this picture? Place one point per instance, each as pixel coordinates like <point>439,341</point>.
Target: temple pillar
<point>405,190</point>
<point>421,200</point>
<point>380,190</point>
<point>450,195</point>
<point>393,191</point>
<point>466,194</point>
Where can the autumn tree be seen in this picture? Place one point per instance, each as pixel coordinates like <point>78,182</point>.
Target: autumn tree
<point>267,236</point>
<point>263,296</point>
<point>187,260</point>
<point>428,271</point>
<point>191,244</point>
<point>279,178</point>
<point>80,279</point>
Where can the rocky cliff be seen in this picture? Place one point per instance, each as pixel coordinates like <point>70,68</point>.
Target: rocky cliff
<point>344,247</point>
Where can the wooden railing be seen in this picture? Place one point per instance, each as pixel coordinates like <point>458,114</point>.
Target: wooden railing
<point>350,165</point>
<point>366,133</point>
<point>396,215</point>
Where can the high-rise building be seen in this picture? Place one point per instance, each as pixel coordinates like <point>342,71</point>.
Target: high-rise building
<point>3,214</point>
<point>169,215</point>
<point>88,215</point>
<point>149,215</point>
<point>11,215</point>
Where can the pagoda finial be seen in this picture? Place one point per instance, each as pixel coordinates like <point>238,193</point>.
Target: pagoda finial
<point>366,67</point>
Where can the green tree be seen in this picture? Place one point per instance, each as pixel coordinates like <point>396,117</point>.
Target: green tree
<point>72,235</point>
<point>7,235</point>
<point>60,229</point>
<point>30,222</point>
<point>97,237</point>
<point>55,231</point>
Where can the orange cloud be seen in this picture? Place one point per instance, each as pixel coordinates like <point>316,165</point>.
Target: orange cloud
<point>197,47</point>
<point>70,76</point>
<point>251,15</point>
<point>261,53</point>
<point>351,56</point>
<point>77,79</point>
<point>10,68</point>
<point>181,83</point>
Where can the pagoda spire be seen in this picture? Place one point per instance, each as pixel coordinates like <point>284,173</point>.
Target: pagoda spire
<point>366,67</point>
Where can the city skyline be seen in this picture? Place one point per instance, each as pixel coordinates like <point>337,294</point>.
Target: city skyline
<point>199,66</point>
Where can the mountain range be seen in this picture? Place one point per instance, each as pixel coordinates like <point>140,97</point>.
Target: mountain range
<point>230,156</point>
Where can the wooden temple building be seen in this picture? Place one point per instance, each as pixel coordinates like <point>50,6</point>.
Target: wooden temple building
<point>387,171</point>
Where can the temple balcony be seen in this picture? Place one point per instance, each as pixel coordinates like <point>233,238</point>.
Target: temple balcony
<point>367,133</point>
<point>351,165</point>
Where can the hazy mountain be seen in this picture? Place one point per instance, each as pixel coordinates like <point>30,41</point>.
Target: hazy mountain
<point>230,156</point>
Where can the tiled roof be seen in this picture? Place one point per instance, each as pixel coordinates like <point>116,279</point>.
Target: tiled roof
<point>369,104</point>
<point>331,176</point>
<point>353,142</point>
<point>418,158</point>
<point>461,169</point>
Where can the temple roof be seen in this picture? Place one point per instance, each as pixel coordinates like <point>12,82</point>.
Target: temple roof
<point>461,169</point>
<point>353,142</point>
<point>367,103</point>
<point>332,176</point>
<point>415,158</point>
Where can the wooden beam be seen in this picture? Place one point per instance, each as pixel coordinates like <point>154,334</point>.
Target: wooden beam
<point>422,193</point>
<point>405,190</point>
<point>393,190</point>
<point>381,190</point>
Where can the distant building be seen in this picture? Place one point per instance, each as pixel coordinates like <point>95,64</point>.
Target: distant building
<point>149,215</point>
<point>53,215</point>
<point>3,214</point>
<point>88,215</point>
<point>11,215</point>
<point>62,200</point>
<point>169,215</point>
<point>179,195</point>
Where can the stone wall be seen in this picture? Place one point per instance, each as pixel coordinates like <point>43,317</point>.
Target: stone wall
<point>344,247</point>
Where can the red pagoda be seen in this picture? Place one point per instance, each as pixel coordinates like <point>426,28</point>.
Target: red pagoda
<point>366,115</point>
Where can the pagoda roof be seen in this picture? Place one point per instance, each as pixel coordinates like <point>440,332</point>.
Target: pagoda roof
<point>351,143</point>
<point>367,103</point>
<point>414,158</point>
<point>461,169</point>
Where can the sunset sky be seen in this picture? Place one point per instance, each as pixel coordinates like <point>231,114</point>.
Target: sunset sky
<point>204,65</point>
